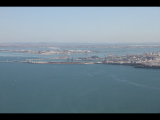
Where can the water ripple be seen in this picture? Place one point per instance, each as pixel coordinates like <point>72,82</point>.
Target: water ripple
<point>133,83</point>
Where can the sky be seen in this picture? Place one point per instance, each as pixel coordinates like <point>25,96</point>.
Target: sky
<point>80,24</point>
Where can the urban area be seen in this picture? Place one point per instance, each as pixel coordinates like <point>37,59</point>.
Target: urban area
<point>145,60</point>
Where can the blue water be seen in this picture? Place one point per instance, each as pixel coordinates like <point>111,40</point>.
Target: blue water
<point>95,88</point>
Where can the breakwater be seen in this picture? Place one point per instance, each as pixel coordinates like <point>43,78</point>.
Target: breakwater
<point>42,62</point>
<point>146,60</point>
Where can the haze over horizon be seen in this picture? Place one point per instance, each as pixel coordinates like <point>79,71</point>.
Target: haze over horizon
<point>80,24</point>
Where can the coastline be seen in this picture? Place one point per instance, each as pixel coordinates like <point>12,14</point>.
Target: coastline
<point>135,65</point>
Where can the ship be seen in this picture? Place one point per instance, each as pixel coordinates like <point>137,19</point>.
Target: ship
<point>147,66</point>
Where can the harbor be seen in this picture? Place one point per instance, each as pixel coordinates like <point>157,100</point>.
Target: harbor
<point>42,62</point>
<point>145,60</point>
<point>138,56</point>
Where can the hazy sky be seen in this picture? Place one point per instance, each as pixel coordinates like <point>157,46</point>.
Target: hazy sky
<point>80,24</point>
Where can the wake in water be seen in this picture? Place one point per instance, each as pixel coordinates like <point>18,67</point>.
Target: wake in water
<point>116,78</point>
<point>133,83</point>
<point>95,73</point>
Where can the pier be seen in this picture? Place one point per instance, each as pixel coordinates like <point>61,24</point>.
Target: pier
<point>42,62</point>
<point>145,60</point>
<point>6,61</point>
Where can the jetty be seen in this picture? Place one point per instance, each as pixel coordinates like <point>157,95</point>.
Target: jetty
<point>61,62</point>
<point>145,60</point>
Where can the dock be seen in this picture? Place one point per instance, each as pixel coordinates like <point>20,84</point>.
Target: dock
<point>61,62</point>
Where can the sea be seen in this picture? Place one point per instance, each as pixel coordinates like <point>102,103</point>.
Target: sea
<point>75,88</point>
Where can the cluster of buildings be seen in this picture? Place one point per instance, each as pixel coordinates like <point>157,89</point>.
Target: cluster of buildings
<point>49,52</point>
<point>141,60</point>
<point>145,60</point>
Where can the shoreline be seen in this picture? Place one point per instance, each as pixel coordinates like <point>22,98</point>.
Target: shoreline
<point>135,65</point>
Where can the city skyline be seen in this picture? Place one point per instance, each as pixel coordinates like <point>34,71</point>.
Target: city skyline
<point>80,24</point>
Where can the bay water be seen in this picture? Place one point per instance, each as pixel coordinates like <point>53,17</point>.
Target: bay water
<point>67,88</point>
<point>94,88</point>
